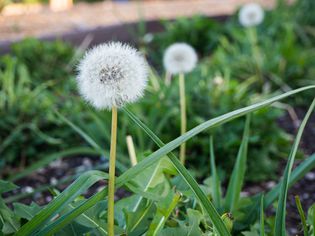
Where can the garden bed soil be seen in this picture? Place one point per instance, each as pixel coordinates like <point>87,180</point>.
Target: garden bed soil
<point>70,166</point>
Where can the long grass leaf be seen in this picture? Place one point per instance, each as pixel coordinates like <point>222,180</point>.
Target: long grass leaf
<point>281,210</point>
<point>298,173</point>
<point>238,174</point>
<point>53,208</point>
<point>213,214</point>
<point>215,184</point>
<point>130,173</point>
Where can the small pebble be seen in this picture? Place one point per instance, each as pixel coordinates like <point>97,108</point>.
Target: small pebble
<point>56,164</point>
<point>37,195</point>
<point>87,163</point>
<point>310,176</point>
<point>53,181</point>
<point>305,196</point>
<point>244,194</point>
<point>48,198</point>
<point>28,189</point>
<point>270,184</point>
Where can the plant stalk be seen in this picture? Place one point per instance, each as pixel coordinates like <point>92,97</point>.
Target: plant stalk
<point>131,151</point>
<point>182,115</point>
<point>111,180</point>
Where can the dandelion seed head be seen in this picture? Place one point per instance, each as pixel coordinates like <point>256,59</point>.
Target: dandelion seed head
<point>112,74</point>
<point>180,58</point>
<point>251,14</point>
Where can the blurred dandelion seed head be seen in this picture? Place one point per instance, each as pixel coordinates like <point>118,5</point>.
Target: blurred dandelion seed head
<point>251,14</point>
<point>180,58</point>
<point>112,74</point>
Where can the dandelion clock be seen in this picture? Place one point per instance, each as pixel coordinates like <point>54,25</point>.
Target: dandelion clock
<point>180,58</point>
<point>251,14</point>
<point>110,76</point>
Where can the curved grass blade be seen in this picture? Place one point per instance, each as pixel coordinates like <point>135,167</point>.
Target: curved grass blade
<point>302,215</point>
<point>67,218</point>
<point>53,208</point>
<point>130,173</point>
<point>215,179</point>
<point>89,140</point>
<point>298,173</point>
<point>237,178</point>
<point>281,210</point>
<point>83,134</point>
<point>213,214</point>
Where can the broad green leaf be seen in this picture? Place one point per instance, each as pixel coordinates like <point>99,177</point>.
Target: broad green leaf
<point>138,221</point>
<point>6,186</point>
<point>163,212</point>
<point>189,227</point>
<point>281,210</point>
<point>25,211</point>
<point>237,178</point>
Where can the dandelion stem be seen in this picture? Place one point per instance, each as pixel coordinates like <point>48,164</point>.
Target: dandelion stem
<point>111,181</point>
<point>182,115</point>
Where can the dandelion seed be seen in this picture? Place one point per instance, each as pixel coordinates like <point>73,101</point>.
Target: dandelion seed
<point>251,14</point>
<point>112,74</point>
<point>180,58</point>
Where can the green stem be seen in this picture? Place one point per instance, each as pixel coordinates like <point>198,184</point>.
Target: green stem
<point>111,180</point>
<point>182,115</point>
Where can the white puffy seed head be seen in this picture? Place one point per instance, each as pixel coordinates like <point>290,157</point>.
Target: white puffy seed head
<point>251,14</point>
<point>112,74</point>
<point>180,58</point>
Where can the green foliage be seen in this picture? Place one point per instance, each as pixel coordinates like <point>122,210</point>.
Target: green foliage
<point>170,212</point>
<point>45,60</point>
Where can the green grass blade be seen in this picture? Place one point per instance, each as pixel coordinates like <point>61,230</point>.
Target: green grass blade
<point>298,173</point>
<point>216,185</point>
<point>53,208</point>
<point>281,210</point>
<point>198,129</point>
<point>89,140</point>
<point>237,177</point>
<point>130,173</point>
<point>48,159</point>
<point>262,218</point>
<point>213,214</point>
<point>302,215</point>
<point>67,218</point>
<point>83,134</point>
